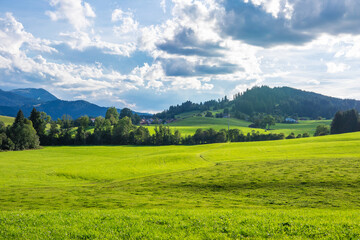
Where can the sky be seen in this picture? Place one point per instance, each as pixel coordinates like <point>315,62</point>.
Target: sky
<point>150,54</point>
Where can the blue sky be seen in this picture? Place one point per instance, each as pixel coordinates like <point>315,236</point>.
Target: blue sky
<point>150,54</point>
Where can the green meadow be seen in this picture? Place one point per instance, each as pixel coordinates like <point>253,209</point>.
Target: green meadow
<point>286,189</point>
<point>188,125</point>
<point>7,120</point>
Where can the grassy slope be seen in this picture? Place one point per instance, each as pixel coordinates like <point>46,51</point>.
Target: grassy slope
<point>7,120</point>
<point>302,188</point>
<point>189,125</point>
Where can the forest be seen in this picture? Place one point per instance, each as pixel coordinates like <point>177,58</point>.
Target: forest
<point>278,101</point>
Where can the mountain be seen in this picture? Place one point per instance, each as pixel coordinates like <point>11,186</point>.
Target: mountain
<point>56,109</point>
<point>28,98</point>
<point>9,99</point>
<point>39,94</point>
<point>282,101</point>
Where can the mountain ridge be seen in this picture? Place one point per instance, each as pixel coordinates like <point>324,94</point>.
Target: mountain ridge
<point>28,98</point>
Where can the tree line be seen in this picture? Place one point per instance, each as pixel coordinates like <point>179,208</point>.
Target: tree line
<point>115,129</point>
<point>118,129</point>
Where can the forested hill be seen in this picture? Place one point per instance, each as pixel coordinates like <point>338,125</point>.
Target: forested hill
<point>282,101</point>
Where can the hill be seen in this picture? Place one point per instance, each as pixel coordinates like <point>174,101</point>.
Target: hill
<point>9,99</point>
<point>298,189</point>
<point>42,100</point>
<point>28,98</point>
<point>35,93</point>
<point>56,109</point>
<point>280,101</point>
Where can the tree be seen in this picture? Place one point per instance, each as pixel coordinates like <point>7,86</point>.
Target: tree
<point>268,121</point>
<point>208,114</point>
<point>39,121</point>
<point>121,131</point>
<point>126,112</point>
<point>344,122</point>
<point>84,121</point>
<point>136,119</point>
<point>22,133</point>
<point>112,114</point>
<point>322,130</point>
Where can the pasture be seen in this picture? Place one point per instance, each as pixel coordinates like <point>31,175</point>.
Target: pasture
<point>297,189</point>
<point>7,120</point>
<point>188,126</point>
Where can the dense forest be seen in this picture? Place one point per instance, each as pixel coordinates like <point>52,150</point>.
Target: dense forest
<point>278,101</point>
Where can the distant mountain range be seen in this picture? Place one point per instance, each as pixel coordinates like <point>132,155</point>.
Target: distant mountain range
<point>28,98</point>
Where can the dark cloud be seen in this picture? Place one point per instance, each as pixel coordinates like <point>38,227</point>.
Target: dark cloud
<point>186,43</point>
<point>327,16</point>
<point>253,25</point>
<point>177,67</point>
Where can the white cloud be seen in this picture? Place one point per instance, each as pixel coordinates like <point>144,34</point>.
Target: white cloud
<point>336,67</point>
<point>163,5</point>
<point>13,37</point>
<point>75,79</point>
<point>82,40</point>
<point>76,12</point>
<point>128,24</point>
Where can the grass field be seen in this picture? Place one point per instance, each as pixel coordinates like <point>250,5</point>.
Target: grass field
<point>189,125</point>
<point>288,189</point>
<point>7,120</point>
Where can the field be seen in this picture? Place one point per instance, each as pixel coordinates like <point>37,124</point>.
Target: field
<point>188,126</point>
<point>295,189</point>
<point>7,120</point>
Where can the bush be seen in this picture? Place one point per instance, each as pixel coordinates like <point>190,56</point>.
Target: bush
<point>322,130</point>
<point>291,136</point>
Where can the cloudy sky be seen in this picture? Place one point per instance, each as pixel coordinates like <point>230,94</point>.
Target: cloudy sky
<point>149,54</point>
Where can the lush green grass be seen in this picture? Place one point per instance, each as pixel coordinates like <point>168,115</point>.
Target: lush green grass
<point>297,189</point>
<point>175,224</point>
<point>189,125</point>
<point>308,126</point>
<point>7,120</point>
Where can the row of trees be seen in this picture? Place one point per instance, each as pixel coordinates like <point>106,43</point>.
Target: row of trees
<point>118,129</point>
